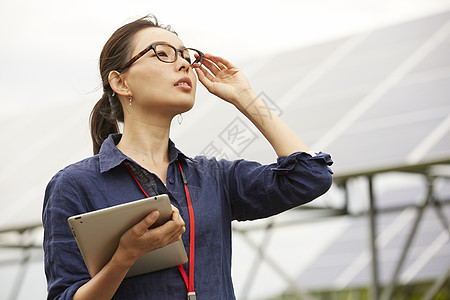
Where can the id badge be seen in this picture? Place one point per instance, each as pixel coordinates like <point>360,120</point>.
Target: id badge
<point>191,296</point>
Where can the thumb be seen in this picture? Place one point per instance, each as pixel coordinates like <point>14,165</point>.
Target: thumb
<point>145,223</point>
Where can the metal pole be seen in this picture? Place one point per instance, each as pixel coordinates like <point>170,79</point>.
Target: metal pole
<point>373,246</point>
<point>441,215</point>
<point>346,196</point>
<point>23,267</point>
<point>390,290</point>
<point>256,261</point>
<point>437,285</point>
<point>293,286</point>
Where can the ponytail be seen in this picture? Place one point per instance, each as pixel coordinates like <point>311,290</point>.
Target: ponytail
<point>103,121</point>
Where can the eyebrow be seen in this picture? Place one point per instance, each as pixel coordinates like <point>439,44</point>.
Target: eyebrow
<point>165,42</point>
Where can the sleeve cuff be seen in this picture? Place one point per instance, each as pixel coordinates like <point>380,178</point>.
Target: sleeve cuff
<point>286,164</point>
<point>312,153</point>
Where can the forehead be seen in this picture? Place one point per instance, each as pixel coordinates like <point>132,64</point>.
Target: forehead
<point>148,36</point>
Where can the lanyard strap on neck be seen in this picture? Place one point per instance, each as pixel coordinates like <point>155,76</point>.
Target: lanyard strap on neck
<point>189,281</point>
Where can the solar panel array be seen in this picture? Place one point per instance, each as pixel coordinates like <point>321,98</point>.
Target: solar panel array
<point>346,262</point>
<point>373,100</point>
<point>377,101</point>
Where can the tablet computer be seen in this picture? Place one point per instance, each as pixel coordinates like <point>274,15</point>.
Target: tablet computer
<point>98,233</point>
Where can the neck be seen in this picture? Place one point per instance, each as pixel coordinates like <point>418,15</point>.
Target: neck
<point>146,143</point>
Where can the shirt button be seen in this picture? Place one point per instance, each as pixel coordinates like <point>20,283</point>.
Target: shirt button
<point>171,181</point>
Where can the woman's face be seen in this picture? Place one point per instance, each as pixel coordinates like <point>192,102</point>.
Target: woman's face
<point>156,86</point>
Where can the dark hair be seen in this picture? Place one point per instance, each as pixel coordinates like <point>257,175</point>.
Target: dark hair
<point>108,111</point>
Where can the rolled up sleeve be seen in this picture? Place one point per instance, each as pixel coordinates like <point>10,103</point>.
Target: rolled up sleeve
<point>266,190</point>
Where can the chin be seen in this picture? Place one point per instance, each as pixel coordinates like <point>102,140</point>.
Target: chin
<point>187,107</point>
<point>185,104</point>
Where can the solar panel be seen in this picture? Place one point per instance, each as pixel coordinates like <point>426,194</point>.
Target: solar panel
<point>382,103</point>
<point>394,78</point>
<point>345,263</point>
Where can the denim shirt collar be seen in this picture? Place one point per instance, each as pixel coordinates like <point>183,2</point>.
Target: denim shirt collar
<point>110,156</point>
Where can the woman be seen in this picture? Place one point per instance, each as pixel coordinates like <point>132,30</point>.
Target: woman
<point>148,78</point>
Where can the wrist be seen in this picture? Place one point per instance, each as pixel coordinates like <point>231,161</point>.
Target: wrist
<point>122,261</point>
<point>244,99</point>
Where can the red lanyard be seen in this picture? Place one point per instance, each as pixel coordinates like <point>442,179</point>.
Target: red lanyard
<point>189,281</point>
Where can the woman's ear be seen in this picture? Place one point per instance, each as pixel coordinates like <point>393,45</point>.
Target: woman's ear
<point>118,84</point>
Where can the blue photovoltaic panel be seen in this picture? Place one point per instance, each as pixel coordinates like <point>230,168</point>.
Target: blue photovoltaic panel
<point>281,72</point>
<point>385,134</point>
<point>326,271</point>
<point>399,119</point>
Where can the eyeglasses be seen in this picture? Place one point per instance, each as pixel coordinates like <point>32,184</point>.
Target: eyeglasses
<point>169,54</point>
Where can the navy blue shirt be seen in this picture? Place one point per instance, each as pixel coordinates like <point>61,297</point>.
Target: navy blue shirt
<point>221,191</point>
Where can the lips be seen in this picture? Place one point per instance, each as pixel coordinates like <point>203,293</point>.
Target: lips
<point>184,82</point>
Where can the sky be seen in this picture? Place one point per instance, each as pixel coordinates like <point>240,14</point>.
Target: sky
<point>50,48</point>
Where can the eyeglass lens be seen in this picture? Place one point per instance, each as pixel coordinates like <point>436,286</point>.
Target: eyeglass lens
<point>167,53</point>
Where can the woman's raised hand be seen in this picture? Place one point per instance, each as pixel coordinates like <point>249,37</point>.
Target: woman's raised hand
<point>222,78</point>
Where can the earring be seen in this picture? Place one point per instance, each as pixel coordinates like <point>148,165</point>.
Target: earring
<point>130,107</point>
<point>180,119</point>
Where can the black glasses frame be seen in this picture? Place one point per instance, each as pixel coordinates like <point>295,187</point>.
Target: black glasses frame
<point>198,60</point>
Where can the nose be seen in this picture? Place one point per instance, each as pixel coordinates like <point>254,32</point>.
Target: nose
<point>183,62</point>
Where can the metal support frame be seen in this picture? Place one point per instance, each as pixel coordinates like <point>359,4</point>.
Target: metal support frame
<point>27,245</point>
<point>373,247</point>
<point>260,250</point>
<point>429,171</point>
<point>420,210</point>
<point>437,285</point>
<point>15,290</point>
<point>372,215</point>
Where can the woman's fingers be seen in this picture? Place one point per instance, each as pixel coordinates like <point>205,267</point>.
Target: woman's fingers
<point>171,230</point>
<point>211,66</point>
<point>215,64</point>
<point>140,239</point>
<point>173,227</point>
<point>210,71</point>
<point>178,220</point>
<point>221,62</point>
<point>205,77</point>
<point>142,227</point>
